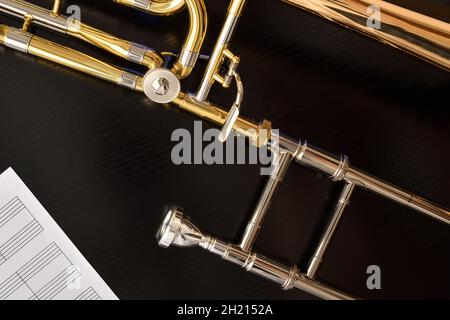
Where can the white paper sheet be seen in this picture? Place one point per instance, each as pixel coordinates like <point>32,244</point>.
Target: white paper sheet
<point>37,260</point>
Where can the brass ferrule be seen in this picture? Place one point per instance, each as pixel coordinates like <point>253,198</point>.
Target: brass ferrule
<point>161,8</point>
<point>26,42</point>
<point>117,46</point>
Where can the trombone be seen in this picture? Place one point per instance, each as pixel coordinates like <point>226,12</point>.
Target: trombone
<point>422,36</point>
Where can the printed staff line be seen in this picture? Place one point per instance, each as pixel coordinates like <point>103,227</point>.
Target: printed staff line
<point>14,283</point>
<point>17,280</point>
<point>89,297</point>
<point>84,293</point>
<point>8,203</point>
<point>11,206</point>
<point>33,260</point>
<point>30,238</point>
<point>28,287</point>
<point>18,234</point>
<point>87,294</point>
<point>61,285</point>
<point>20,245</point>
<point>11,214</point>
<point>18,237</point>
<point>42,264</point>
<point>50,285</point>
<point>93,296</point>
<point>64,283</point>
<point>11,210</point>
<point>23,240</point>
<point>6,284</point>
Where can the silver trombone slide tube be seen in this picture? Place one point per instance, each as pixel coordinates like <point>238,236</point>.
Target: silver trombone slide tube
<point>343,202</point>
<point>273,182</point>
<point>287,276</point>
<point>339,169</point>
<point>179,231</point>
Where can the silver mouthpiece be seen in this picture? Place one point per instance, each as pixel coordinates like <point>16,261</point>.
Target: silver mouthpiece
<point>178,230</point>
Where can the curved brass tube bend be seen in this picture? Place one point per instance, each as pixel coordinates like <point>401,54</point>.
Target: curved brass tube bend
<point>194,40</point>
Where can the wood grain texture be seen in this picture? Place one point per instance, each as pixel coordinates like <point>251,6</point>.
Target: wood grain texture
<point>98,156</point>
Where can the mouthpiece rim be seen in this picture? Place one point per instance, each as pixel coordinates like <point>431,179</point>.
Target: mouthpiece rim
<point>170,228</point>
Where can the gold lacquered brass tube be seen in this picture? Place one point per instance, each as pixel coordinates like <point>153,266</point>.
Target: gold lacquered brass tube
<point>56,7</point>
<point>41,16</point>
<point>27,43</point>
<point>198,21</point>
<point>415,33</point>
<point>215,114</point>
<point>49,19</point>
<point>3,30</point>
<point>194,39</point>
<point>76,60</point>
<point>162,8</point>
<point>117,46</point>
<point>234,12</point>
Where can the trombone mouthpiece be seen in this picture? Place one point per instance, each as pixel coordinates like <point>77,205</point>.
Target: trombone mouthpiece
<point>178,230</point>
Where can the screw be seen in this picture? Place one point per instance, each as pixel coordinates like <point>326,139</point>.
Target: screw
<point>161,86</point>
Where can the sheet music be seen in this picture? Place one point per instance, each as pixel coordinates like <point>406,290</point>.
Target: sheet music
<point>37,260</point>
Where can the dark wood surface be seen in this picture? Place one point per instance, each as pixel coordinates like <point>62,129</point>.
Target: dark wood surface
<point>98,156</point>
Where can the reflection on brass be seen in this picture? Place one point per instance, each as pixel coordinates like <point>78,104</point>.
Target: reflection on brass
<point>162,7</point>
<point>415,33</point>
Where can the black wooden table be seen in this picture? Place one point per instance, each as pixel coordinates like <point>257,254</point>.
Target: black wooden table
<point>98,156</point>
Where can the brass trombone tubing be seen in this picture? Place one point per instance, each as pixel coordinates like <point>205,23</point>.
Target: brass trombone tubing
<point>198,22</point>
<point>305,154</point>
<point>190,51</point>
<point>337,167</point>
<point>302,153</point>
<point>56,7</point>
<point>46,18</point>
<point>161,7</point>
<point>233,14</point>
<point>412,32</point>
<point>42,48</point>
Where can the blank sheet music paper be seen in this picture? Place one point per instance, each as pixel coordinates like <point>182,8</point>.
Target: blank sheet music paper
<point>37,260</point>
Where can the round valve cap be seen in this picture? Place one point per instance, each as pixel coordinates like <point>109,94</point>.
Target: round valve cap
<point>161,85</point>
